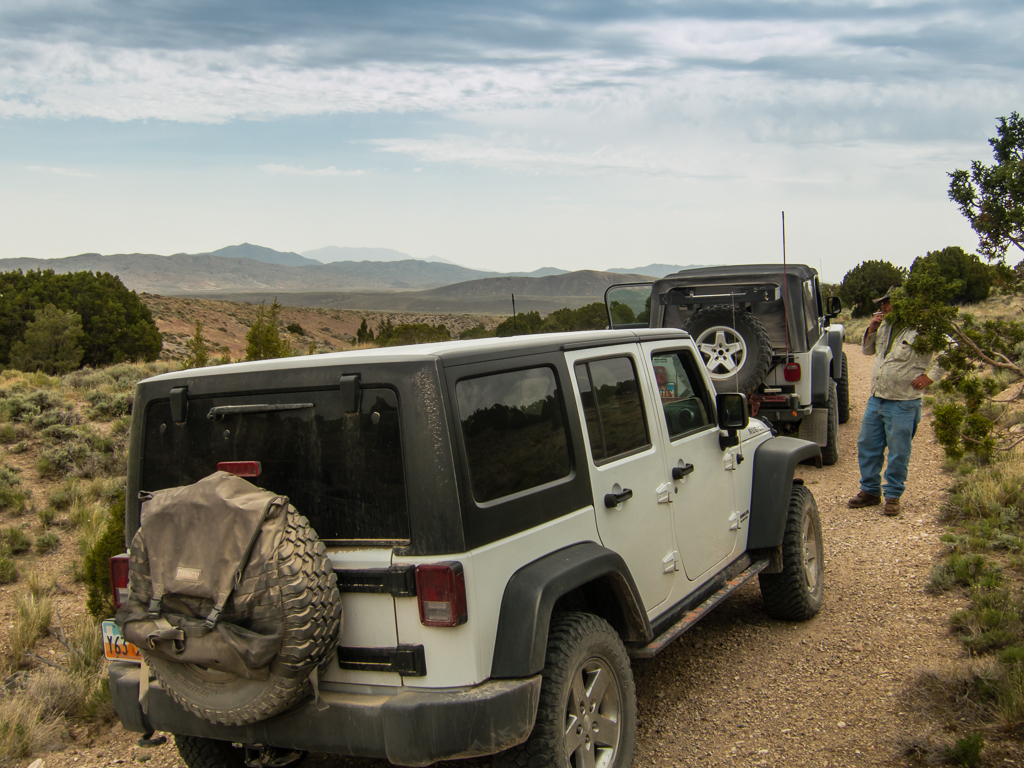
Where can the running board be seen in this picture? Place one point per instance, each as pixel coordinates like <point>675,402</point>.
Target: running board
<point>690,618</point>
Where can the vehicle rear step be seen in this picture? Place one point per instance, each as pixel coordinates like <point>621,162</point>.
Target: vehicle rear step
<point>690,618</point>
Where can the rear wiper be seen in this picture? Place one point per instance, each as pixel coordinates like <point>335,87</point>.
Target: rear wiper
<point>220,411</point>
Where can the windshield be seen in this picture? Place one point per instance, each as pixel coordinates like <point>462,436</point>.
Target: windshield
<point>344,472</point>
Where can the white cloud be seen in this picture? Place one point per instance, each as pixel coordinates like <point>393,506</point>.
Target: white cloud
<point>289,170</point>
<point>60,171</point>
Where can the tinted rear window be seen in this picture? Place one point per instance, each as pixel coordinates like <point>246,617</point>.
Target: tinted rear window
<point>514,431</point>
<point>342,471</point>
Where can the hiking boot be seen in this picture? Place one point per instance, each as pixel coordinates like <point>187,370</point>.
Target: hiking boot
<point>892,507</point>
<point>864,499</point>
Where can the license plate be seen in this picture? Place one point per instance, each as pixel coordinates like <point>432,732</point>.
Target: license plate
<point>115,647</point>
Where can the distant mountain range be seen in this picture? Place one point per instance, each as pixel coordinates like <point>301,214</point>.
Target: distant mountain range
<point>353,276</point>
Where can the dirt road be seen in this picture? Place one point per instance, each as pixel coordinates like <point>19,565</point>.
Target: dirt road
<point>744,690</point>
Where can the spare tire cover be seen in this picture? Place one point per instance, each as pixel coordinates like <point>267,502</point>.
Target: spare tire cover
<point>310,613</point>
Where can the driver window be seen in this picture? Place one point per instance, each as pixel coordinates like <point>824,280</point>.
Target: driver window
<point>684,399</point>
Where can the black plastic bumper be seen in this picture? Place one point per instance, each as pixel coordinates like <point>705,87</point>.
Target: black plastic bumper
<point>410,728</point>
<point>777,415</point>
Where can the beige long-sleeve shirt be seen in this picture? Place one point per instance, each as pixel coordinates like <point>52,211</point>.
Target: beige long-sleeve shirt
<point>893,374</point>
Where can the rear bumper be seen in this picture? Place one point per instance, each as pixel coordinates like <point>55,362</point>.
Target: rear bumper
<point>410,728</point>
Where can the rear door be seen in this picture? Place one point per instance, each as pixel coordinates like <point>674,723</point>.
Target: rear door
<point>632,495</point>
<point>706,521</point>
<point>343,471</point>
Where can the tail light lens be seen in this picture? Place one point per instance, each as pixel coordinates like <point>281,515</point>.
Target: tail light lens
<point>119,579</point>
<point>441,591</point>
<point>240,468</point>
<point>791,372</point>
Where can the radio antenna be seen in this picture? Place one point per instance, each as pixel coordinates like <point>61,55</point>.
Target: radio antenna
<point>515,329</point>
<point>785,287</point>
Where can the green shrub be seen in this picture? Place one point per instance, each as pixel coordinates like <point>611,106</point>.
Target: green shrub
<point>114,323</point>
<point>60,460</point>
<point>48,542</point>
<point>55,416</point>
<point>61,433</point>
<point>8,570</point>
<point>972,277</point>
<point>967,751</point>
<point>46,516</point>
<point>106,406</point>
<point>96,564</point>
<point>63,495</point>
<point>9,433</point>
<point>16,539</point>
<point>866,282</point>
<point>13,499</point>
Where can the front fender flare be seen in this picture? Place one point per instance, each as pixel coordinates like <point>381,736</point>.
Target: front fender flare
<point>531,594</point>
<point>775,461</point>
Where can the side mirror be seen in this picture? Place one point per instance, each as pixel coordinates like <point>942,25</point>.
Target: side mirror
<point>733,414</point>
<point>833,306</point>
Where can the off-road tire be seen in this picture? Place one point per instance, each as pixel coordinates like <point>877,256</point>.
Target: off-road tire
<point>734,345</point>
<point>795,594</point>
<point>844,393</point>
<point>311,622</point>
<point>209,753</point>
<point>830,451</point>
<point>582,648</point>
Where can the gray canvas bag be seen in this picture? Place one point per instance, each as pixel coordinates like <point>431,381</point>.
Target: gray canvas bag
<point>204,587</point>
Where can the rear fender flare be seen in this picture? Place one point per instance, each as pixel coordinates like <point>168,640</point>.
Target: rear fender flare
<point>775,460</point>
<point>821,364</point>
<point>835,343</point>
<point>530,597</point>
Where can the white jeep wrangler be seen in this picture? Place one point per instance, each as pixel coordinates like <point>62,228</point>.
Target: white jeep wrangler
<point>508,520</point>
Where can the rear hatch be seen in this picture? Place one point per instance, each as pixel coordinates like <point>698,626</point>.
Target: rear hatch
<point>343,471</point>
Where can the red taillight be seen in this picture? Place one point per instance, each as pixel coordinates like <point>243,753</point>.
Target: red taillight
<point>119,579</point>
<point>441,591</point>
<point>792,371</point>
<point>240,468</point>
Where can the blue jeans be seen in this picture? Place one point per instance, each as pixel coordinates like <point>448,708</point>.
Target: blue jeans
<point>891,423</point>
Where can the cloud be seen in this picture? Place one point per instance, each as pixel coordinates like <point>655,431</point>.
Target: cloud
<point>509,155</point>
<point>289,170</point>
<point>791,72</point>
<point>61,171</point>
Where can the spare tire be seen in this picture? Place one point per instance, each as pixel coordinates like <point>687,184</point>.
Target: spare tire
<point>308,611</point>
<point>734,345</point>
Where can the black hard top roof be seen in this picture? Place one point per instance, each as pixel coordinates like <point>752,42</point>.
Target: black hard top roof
<point>746,272</point>
<point>447,352</point>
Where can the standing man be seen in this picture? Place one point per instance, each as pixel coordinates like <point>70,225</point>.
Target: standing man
<point>898,379</point>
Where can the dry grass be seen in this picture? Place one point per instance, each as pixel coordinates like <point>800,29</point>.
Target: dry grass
<point>24,728</point>
<point>31,621</point>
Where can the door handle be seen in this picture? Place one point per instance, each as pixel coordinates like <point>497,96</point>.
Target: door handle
<point>612,500</point>
<point>678,473</point>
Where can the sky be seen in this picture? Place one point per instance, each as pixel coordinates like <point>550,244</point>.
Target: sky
<point>579,134</point>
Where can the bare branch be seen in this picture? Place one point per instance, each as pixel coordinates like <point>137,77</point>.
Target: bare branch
<point>45,661</point>
<point>1012,445</point>
<point>1011,400</point>
<point>1008,366</point>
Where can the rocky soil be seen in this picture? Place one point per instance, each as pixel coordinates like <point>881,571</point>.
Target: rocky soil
<point>744,690</point>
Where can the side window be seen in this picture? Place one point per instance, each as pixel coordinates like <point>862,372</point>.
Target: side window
<point>514,429</point>
<point>684,399</point>
<point>614,413</point>
<point>810,311</point>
